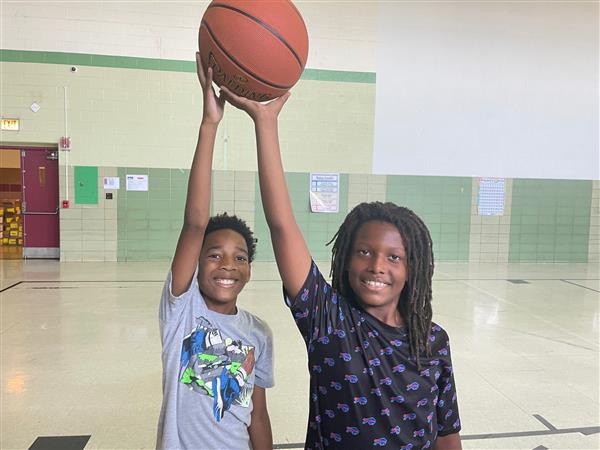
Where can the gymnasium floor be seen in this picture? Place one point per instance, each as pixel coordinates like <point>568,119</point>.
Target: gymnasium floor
<point>80,353</point>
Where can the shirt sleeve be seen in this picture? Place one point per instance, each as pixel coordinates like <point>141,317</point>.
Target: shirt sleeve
<point>316,308</point>
<point>447,407</point>
<point>264,377</point>
<point>171,306</point>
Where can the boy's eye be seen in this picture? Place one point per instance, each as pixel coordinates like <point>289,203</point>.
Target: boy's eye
<point>214,256</point>
<point>395,258</point>
<point>242,258</point>
<point>364,252</point>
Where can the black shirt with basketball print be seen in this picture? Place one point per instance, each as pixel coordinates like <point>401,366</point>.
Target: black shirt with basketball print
<point>365,389</point>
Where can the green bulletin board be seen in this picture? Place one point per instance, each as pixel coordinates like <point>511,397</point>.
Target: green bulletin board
<point>86,185</point>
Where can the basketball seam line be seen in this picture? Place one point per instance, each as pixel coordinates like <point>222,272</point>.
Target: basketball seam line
<point>236,62</point>
<point>266,26</point>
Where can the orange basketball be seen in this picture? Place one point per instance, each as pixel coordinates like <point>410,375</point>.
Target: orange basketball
<point>256,48</point>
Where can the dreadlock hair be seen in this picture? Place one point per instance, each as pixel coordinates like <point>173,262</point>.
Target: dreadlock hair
<point>225,221</point>
<point>415,298</point>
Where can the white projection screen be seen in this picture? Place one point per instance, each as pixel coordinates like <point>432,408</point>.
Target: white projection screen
<point>500,89</point>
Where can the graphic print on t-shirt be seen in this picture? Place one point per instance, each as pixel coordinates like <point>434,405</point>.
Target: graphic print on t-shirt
<point>217,366</point>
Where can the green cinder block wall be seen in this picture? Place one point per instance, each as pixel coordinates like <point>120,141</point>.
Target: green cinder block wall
<point>444,204</point>
<point>550,220</point>
<point>318,229</point>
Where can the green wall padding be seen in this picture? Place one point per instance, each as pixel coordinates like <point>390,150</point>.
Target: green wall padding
<point>86,185</point>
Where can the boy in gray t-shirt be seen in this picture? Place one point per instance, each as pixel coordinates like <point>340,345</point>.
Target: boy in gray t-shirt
<point>217,359</point>
<point>212,363</point>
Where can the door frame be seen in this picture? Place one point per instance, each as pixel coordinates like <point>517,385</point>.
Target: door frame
<point>37,252</point>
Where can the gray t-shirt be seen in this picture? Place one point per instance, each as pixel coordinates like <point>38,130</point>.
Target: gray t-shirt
<point>211,363</point>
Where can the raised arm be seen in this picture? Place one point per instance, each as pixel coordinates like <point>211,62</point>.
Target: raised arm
<point>197,205</point>
<point>291,253</point>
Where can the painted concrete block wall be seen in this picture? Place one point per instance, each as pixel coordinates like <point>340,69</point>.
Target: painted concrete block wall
<point>135,100</point>
<point>131,117</point>
<point>317,229</point>
<point>149,222</point>
<point>233,193</point>
<point>342,34</point>
<point>489,235</point>
<point>554,220</point>
<point>88,232</point>
<point>594,241</point>
<point>444,204</point>
<point>550,220</point>
<point>366,188</point>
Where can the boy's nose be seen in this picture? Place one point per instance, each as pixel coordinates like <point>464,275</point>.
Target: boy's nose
<point>227,263</point>
<point>377,264</point>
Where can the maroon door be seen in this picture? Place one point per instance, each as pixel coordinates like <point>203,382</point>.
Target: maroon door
<point>40,203</point>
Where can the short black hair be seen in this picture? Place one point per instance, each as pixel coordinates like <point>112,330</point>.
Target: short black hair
<point>415,298</point>
<point>226,222</point>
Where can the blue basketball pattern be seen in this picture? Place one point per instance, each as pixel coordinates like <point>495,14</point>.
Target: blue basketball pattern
<point>365,389</point>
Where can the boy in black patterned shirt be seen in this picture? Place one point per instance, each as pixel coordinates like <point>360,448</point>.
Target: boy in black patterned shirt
<point>381,373</point>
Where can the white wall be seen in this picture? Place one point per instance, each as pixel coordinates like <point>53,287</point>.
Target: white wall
<point>506,89</point>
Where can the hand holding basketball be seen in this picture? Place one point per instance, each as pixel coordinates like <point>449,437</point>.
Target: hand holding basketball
<point>257,111</point>
<point>213,106</point>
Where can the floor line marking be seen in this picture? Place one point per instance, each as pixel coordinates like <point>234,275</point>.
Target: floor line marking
<point>579,285</point>
<point>546,423</point>
<point>583,430</point>
<point>11,286</point>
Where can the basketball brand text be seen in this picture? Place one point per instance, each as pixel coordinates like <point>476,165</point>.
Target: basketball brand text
<point>234,84</point>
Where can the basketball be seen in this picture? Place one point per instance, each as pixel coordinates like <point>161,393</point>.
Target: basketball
<point>257,49</point>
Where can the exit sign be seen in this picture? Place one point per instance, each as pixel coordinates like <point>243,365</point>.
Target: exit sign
<point>10,124</point>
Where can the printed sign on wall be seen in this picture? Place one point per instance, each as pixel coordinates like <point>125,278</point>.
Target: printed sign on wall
<point>137,182</point>
<point>325,192</point>
<point>491,196</point>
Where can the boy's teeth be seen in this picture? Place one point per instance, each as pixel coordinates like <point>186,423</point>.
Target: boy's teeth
<point>375,283</point>
<point>224,281</point>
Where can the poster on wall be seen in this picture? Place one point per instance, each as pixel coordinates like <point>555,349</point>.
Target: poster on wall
<point>137,182</point>
<point>491,196</point>
<point>324,192</point>
<point>112,183</point>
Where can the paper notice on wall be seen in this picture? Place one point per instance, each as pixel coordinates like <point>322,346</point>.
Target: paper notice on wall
<point>112,183</point>
<point>137,182</point>
<point>324,192</point>
<point>491,196</point>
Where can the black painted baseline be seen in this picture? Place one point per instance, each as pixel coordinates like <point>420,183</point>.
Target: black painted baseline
<point>579,285</point>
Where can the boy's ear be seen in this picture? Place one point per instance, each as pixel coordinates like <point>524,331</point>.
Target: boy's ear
<point>249,272</point>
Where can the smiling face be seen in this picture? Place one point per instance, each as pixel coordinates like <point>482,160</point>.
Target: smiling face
<point>377,268</point>
<point>224,267</point>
